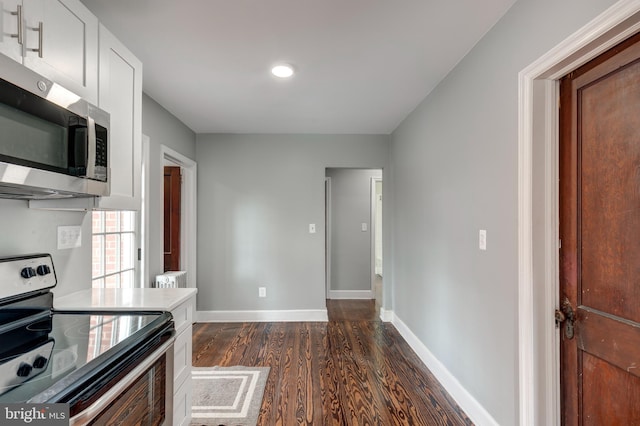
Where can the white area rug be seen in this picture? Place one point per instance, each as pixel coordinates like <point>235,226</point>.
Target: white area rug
<point>227,396</point>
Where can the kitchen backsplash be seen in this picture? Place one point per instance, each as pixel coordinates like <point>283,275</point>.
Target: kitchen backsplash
<point>24,230</point>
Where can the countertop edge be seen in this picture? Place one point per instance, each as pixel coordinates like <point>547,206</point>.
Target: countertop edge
<point>150,299</point>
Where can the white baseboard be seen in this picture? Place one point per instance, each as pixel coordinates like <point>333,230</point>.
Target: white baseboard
<point>301,315</point>
<point>465,400</point>
<point>386,315</point>
<point>351,294</point>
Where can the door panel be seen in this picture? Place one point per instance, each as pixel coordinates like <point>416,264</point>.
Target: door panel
<point>600,233</point>
<point>612,339</point>
<point>610,197</point>
<point>121,96</point>
<point>69,38</point>
<point>172,196</point>
<point>601,378</point>
<point>9,45</point>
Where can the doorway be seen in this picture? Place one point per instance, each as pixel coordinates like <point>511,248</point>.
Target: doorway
<point>376,239</point>
<point>188,210</point>
<point>538,206</point>
<point>599,256</point>
<point>351,259</point>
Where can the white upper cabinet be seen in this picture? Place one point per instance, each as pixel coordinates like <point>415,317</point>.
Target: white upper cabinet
<point>120,94</point>
<point>82,55</point>
<point>11,36</point>
<point>57,39</point>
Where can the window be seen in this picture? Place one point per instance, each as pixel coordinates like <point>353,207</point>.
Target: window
<point>113,249</point>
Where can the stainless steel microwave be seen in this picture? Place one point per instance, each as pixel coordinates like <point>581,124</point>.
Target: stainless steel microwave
<point>53,144</point>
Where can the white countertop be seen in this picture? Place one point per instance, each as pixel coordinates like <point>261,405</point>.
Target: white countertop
<point>124,299</point>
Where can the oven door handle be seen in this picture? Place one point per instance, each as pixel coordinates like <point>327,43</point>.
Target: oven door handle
<point>107,399</point>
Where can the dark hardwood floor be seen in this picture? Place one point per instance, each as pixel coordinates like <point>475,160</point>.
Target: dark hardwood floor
<point>352,370</point>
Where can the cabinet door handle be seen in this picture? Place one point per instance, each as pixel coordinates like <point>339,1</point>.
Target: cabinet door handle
<point>18,14</point>
<point>40,40</point>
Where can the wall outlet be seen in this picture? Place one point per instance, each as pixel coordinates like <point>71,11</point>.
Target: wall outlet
<point>262,292</point>
<point>482,239</point>
<point>69,237</point>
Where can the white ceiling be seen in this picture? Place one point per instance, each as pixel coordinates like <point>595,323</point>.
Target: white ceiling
<point>362,65</point>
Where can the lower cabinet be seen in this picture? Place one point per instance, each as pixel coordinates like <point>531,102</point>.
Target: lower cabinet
<point>182,351</point>
<point>182,404</point>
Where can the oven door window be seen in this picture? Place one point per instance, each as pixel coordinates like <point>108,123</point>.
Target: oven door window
<point>142,403</point>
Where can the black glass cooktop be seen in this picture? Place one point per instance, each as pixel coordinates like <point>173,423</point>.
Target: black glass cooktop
<point>45,354</point>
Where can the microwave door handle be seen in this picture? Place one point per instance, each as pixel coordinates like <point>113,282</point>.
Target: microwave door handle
<point>91,147</point>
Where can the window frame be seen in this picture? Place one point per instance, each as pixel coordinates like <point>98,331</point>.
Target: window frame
<point>101,274</point>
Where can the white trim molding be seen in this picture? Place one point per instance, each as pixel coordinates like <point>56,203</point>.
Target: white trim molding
<point>189,216</point>
<point>386,315</point>
<point>465,400</point>
<point>327,234</point>
<point>144,212</point>
<point>608,29</point>
<point>351,294</point>
<point>298,315</point>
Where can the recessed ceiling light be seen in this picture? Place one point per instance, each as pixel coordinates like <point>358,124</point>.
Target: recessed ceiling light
<point>282,71</point>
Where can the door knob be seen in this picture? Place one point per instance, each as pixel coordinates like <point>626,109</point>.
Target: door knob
<point>567,316</point>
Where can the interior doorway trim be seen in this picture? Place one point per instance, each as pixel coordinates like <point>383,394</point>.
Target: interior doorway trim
<point>144,213</point>
<point>188,217</point>
<point>539,400</point>
<point>327,236</point>
<point>374,233</point>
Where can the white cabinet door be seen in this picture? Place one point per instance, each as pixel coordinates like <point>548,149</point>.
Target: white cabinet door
<point>120,94</point>
<point>9,40</point>
<point>61,43</point>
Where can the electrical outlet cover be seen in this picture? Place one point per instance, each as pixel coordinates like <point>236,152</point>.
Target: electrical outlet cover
<point>69,237</point>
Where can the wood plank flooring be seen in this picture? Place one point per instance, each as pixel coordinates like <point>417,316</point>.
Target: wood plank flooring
<point>352,370</point>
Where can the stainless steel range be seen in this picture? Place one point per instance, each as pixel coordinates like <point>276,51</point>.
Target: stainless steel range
<point>110,368</point>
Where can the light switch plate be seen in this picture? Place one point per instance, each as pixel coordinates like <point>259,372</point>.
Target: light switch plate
<point>312,228</point>
<point>482,239</point>
<point>363,227</point>
<point>69,237</point>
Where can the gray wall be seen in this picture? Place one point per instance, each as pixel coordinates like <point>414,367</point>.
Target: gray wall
<point>163,129</point>
<point>257,195</point>
<point>25,231</point>
<point>351,266</point>
<point>453,172</point>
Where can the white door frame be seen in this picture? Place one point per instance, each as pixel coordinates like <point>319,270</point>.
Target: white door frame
<point>188,215</point>
<point>144,214</point>
<point>327,235</point>
<point>373,221</point>
<point>539,362</point>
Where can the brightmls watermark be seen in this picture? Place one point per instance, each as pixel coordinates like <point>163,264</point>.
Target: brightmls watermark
<point>34,414</point>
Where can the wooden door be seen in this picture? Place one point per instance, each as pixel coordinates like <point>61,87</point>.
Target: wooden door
<point>600,239</point>
<point>172,186</point>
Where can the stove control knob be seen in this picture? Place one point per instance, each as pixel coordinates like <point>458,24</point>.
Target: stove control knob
<point>24,370</point>
<point>28,272</point>
<point>39,362</point>
<point>43,270</point>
